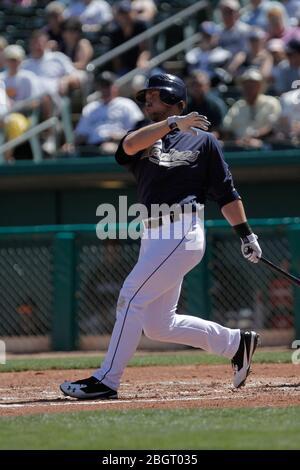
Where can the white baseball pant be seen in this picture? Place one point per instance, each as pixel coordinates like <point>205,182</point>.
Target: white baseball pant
<point>149,297</point>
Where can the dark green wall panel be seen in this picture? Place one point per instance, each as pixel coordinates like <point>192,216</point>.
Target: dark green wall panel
<point>79,206</point>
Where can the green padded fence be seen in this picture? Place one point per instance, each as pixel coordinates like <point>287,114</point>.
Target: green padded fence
<point>62,282</point>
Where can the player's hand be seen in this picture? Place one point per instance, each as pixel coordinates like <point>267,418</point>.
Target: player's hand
<point>250,248</point>
<point>192,120</point>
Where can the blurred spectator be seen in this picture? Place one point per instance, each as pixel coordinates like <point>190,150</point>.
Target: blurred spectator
<point>234,34</point>
<point>20,84</point>
<point>203,101</point>
<point>77,48</point>
<point>11,126</point>
<point>255,12</point>
<point>20,3</point>
<point>289,120</point>
<point>58,74</point>
<point>252,118</point>
<point>277,28</point>
<point>256,56</point>
<point>15,125</point>
<point>145,10</point>
<point>288,70</point>
<point>106,121</point>
<point>292,8</point>
<point>276,48</point>
<point>54,18</point>
<point>127,27</point>
<point>3,44</point>
<point>58,77</point>
<point>93,14</point>
<point>4,102</point>
<point>206,56</point>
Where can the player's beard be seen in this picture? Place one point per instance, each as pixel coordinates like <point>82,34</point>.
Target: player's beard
<point>157,116</point>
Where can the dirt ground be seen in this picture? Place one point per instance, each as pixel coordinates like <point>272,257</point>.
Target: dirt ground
<point>199,386</point>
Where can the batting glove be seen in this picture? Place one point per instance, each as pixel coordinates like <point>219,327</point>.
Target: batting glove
<point>190,121</point>
<point>250,248</point>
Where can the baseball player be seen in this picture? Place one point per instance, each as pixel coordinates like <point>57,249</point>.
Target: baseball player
<point>176,162</point>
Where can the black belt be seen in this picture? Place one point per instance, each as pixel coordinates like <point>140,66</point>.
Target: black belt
<point>155,222</point>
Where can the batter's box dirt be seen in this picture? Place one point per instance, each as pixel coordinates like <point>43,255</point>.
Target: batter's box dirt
<point>200,386</point>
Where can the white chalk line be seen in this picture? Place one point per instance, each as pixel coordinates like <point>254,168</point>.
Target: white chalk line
<point>110,402</point>
<point>232,393</point>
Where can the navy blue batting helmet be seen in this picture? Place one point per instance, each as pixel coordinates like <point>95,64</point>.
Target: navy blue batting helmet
<point>172,89</point>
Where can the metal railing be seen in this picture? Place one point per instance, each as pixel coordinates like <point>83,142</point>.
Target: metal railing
<point>62,282</point>
<point>154,30</point>
<point>159,59</point>
<point>32,105</point>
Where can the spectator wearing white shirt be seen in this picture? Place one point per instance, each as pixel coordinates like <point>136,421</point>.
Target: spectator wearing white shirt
<point>252,119</point>
<point>105,122</point>
<point>289,120</point>
<point>93,14</point>
<point>56,70</point>
<point>4,102</point>
<point>20,84</point>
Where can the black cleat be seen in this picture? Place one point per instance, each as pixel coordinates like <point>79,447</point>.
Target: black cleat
<point>241,361</point>
<point>87,389</point>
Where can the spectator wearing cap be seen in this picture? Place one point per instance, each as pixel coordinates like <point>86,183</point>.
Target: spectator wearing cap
<point>256,56</point>
<point>93,14</point>
<point>77,48</point>
<point>127,27</point>
<point>234,34</point>
<point>20,84</point>
<point>54,17</point>
<point>251,119</point>
<point>289,69</point>
<point>256,11</point>
<point>203,101</point>
<point>56,70</point>
<point>104,122</point>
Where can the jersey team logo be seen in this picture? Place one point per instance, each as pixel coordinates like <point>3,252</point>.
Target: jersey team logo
<point>172,159</point>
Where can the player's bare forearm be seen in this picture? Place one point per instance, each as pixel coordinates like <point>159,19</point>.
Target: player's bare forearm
<point>145,137</point>
<point>234,212</point>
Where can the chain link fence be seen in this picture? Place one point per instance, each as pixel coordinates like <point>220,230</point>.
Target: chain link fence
<point>101,270</point>
<point>26,287</point>
<point>41,296</point>
<point>247,295</point>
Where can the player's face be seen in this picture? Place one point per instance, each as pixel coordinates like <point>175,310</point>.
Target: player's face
<point>155,108</point>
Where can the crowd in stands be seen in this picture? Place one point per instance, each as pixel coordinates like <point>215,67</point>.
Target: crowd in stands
<point>243,74</point>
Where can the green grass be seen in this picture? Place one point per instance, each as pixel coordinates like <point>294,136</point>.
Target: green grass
<point>254,428</point>
<point>169,359</point>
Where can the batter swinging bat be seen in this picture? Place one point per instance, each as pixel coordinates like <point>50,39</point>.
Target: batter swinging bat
<point>289,276</point>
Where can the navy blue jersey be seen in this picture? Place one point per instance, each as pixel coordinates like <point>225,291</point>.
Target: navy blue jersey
<point>180,165</point>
